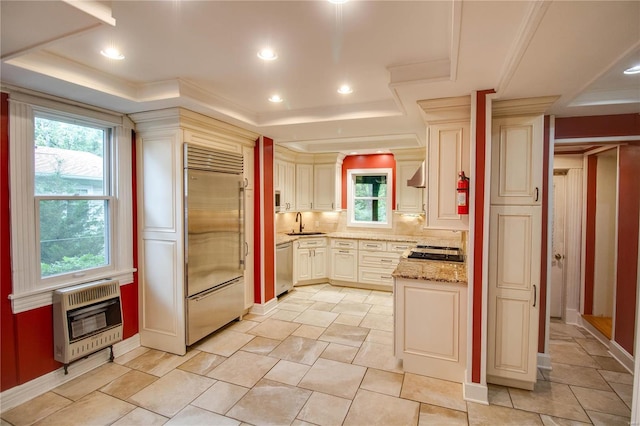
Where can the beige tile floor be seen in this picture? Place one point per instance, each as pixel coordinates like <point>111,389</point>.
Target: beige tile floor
<point>325,357</point>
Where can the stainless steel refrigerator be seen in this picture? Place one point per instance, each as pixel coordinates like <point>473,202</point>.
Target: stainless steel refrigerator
<point>215,242</point>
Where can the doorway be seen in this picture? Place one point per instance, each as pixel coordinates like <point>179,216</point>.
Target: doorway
<point>558,273</point>
<point>602,213</point>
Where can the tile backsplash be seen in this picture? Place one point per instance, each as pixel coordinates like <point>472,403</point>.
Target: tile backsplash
<point>403,224</point>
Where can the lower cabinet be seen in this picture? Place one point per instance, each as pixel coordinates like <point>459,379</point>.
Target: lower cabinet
<point>310,260</point>
<point>344,260</point>
<point>376,264</point>
<point>431,328</point>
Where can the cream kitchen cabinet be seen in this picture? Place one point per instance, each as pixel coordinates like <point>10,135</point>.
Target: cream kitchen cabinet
<point>515,240</point>
<point>376,264</point>
<point>514,293</point>
<point>408,198</point>
<point>516,158</point>
<point>344,260</point>
<point>448,153</point>
<point>248,166</point>
<point>284,181</point>
<point>304,187</point>
<point>310,260</point>
<point>430,328</point>
<point>326,186</point>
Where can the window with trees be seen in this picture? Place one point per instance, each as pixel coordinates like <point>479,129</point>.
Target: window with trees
<point>369,200</point>
<point>71,197</point>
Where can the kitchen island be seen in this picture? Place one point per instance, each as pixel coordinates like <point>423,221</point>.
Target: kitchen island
<point>430,316</point>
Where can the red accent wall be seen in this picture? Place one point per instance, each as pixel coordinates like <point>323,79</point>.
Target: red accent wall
<point>26,350</point>
<point>269,222</point>
<point>8,362</point>
<point>597,126</point>
<point>627,266</point>
<point>129,293</point>
<point>590,234</point>
<point>544,252</point>
<point>257,222</point>
<point>478,226</point>
<point>373,161</point>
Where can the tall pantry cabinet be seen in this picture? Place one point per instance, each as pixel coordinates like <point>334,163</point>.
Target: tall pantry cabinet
<point>159,146</point>
<point>515,235</point>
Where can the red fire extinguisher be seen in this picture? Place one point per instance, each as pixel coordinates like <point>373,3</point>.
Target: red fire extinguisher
<point>463,194</point>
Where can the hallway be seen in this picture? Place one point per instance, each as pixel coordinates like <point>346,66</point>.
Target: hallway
<point>325,356</point>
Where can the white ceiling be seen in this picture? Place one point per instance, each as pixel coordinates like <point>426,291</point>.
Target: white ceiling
<point>201,55</point>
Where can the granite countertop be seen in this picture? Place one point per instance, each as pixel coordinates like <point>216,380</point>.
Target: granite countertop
<point>284,238</point>
<point>431,270</point>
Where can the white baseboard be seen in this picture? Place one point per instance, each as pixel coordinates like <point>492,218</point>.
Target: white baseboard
<point>475,392</point>
<point>594,332</point>
<point>26,391</point>
<point>620,354</point>
<point>264,308</point>
<point>571,316</point>
<point>544,361</point>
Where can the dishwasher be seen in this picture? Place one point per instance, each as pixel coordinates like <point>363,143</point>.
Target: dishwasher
<point>284,268</point>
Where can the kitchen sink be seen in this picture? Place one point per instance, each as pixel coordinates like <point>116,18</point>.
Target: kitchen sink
<point>306,233</point>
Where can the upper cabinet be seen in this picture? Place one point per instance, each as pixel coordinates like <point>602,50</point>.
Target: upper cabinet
<point>247,166</point>
<point>516,158</point>
<point>304,186</point>
<point>326,186</point>
<point>308,181</point>
<point>409,199</point>
<point>284,180</point>
<point>448,133</point>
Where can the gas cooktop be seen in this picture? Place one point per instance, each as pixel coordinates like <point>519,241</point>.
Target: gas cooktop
<point>444,254</point>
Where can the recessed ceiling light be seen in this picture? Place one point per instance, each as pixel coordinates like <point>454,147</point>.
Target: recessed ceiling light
<point>345,89</point>
<point>112,53</point>
<point>267,54</point>
<point>633,70</point>
<point>275,99</point>
<point>337,1</point>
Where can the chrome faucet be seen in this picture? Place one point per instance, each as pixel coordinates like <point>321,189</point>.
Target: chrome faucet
<point>299,215</point>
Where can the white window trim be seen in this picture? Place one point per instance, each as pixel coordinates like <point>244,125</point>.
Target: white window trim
<point>351,174</point>
<point>27,292</point>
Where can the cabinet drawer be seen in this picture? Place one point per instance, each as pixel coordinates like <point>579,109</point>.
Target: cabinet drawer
<point>375,275</point>
<point>372,245</point>
<point>379,259</point>
<point>312,242</point>
<point>400,247</point>
<point>344,244</point>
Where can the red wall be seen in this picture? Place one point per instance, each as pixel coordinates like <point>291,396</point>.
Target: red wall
<point>597,126</point>
<point>590,234</point>
<point>269,223</point>
<point>268,230</point>
<point>627,270</point>
<point>478,225</point>
<point>27,338</point>
<point>8,362</point>
<point>373,161</point>
<point>542,318</point>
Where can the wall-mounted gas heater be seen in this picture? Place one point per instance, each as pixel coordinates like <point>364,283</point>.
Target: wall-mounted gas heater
<point>86,319</point>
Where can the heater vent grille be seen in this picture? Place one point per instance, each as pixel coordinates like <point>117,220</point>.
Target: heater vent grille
<point>86,319</point>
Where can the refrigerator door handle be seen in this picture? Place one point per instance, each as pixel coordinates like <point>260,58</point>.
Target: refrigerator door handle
<point>243,253</point>
<point>214,290</point>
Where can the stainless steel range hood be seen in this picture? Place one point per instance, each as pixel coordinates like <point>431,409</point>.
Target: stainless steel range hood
<point>419,179</point>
